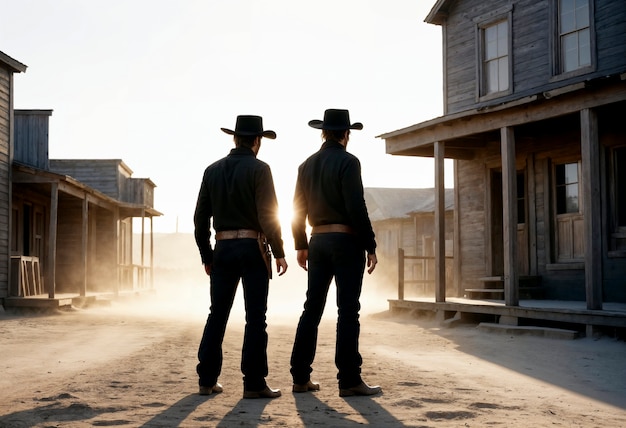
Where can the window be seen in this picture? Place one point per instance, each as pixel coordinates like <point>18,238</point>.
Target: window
<point>567,188</point>
<point>495,58</point>
<point>574,34</point>
<point>569,221</point>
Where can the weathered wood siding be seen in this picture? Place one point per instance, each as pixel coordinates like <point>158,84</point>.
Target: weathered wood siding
<point>532,45</point>
<point>5,184</point>
<point>109,176</point>
<point>541,145</point>
<point>31,137</point>
<point>471,211</point>
<point>105,175</point>
<point>140,191</point>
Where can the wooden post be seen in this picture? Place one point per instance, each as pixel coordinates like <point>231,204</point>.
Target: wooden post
<point>52,242</point>
<point>456,233</point>
<point>84,243</point>
<point>440,226</point>
<point>592,203</point>
<point>152,252</point>
<point>400,274</point>
<point>509,219</point>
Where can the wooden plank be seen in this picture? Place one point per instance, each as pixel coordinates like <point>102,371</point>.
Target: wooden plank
<point>574,316</point>
<point>472,122</point>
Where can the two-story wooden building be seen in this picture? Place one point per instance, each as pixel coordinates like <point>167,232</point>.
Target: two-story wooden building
<point>534,106</point>
<point>8,67</point>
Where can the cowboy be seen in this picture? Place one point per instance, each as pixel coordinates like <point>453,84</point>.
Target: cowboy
<point>329,193</point>
<point>238,194</point>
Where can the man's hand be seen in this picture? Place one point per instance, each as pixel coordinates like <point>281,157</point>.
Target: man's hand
<point>372,260</point>
<point>302,256</point>
<point>207,269</point>
<point>281,266</point>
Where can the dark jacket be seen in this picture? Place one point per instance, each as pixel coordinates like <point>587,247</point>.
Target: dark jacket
<point>238,192</point>
<point>329,190</point>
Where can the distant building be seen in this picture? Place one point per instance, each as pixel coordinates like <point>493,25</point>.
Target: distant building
<point>403,219</point>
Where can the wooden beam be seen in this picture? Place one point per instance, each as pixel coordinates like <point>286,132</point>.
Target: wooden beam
<point>475,122</point>
<point>509,220</point>
<point>440,225</point>
<point>592,203</point>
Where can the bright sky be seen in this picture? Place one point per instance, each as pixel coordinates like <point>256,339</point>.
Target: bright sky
<point>151,82</point>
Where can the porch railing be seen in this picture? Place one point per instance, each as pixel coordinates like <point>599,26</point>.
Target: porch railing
<point>426,278</point>
<point>134,277</point>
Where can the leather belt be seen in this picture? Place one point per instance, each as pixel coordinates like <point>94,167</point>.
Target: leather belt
<point>332,228</point>
<point>236,234</point>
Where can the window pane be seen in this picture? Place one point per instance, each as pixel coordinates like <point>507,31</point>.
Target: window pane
<point>582,14</point>
<point>571,191</point>
<point>503,74</point>
<point>491,43</point>
<point>568,22</point>
<point>567,6</point>
<point>566,188</point>
<point>571,173</point>
<point>492,76</point>
<point>569,50</point>
<point>503,36</point>
<point>584,48</point>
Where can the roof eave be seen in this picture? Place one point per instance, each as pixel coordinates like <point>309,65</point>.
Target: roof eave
<point>13,64</point>
<point>439,13</point>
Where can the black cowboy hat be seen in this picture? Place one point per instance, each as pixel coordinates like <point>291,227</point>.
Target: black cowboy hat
<point>335,120</point>
<point>250,125</point>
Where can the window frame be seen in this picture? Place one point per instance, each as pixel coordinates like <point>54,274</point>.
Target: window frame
<point>558,72</point>
<point>504,14</point>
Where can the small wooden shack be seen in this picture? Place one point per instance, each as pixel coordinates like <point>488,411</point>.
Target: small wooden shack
<point>534,100</point>
<point>404,224</point>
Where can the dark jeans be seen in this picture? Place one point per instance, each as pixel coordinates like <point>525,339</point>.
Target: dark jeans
<point>236,259</point>
<point>337,255</point>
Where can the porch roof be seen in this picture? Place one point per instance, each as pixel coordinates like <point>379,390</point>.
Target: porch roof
<point>466,131</point>
<point>24,174</point>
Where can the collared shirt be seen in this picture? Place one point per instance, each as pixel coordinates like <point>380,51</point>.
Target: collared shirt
<point>237,192</point>
<point>329,190</point>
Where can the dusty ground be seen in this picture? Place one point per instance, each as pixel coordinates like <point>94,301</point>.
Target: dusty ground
<point>132,365</point>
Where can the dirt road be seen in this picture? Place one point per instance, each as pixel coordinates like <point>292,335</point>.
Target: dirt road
<point>125,367</point>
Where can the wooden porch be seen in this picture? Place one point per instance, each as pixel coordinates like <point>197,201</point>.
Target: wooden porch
<point>572,315</point>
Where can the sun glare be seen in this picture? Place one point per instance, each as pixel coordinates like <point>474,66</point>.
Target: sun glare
<point>285,215</point>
